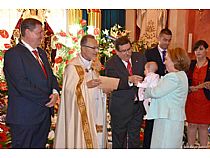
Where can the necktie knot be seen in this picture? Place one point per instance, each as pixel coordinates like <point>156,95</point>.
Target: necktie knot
<point>129,63</point>
<point>40,62</point>
<point>35,52</point>
<point>129,68</point>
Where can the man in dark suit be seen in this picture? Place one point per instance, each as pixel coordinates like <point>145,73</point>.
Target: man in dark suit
<point>33,89</point>
<point>125,109</point>
<point>157,55</point>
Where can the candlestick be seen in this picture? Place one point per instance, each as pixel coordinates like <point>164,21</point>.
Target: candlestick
<point>189,48</point>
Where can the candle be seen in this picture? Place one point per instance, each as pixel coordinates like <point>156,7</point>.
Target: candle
<point>189,49</point>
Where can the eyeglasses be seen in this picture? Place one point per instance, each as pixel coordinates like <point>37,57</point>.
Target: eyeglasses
<point>125,50</point>
<point>90,47</point>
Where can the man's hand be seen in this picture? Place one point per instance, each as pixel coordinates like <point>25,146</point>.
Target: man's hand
<point>135,79</point>
<point>93,83</point>
<point>107,90</point>
<point>53,98</point>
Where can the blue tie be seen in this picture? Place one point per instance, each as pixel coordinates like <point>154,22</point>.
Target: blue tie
<point>164,55</point>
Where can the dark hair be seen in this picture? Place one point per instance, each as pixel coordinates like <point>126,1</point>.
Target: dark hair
<point>30,24</point>
<point>121,41</point>
<point>165,31</point>
<point>85,39</point>
<point>180,59</point>
<point>200,43</point>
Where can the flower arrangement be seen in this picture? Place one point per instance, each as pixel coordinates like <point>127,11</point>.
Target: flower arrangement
<point>147,40</point>
<point>5,137</point>
<point>143,44</point>
<point>3,106</point>
<point>68,45</point>
<point>3,85</point>
<point>51,135</point>
<point>106,43</point>
<point>3,47</point>
<point>108,37</point>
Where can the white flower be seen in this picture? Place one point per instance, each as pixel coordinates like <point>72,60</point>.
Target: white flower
<point>110,49</point>
<point>51,135</point>
<point>74,29</point>
<point>91,29</point>
<point>114,34</point>
<point>54,119</point>
<point>106,32</point>
<point>106,53</point>
<point>119,27</point>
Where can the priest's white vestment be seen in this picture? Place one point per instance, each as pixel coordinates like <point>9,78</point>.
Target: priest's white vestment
<point>81,119</point>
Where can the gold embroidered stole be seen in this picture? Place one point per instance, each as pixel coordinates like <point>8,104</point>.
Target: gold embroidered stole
<point>82,109</point>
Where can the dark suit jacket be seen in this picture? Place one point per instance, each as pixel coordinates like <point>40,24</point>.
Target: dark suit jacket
<point>122,99</point>
<point>28,87</point>
<point>154,55</point>
<point>190,72</point>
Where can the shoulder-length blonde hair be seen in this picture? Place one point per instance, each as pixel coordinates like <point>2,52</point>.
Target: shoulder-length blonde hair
<point>180,59</point>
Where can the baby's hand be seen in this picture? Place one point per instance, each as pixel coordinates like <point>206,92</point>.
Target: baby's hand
<point>138,84</point>
<point>135,79</point>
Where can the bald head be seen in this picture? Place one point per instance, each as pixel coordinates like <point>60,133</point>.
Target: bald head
<point>151,66</point>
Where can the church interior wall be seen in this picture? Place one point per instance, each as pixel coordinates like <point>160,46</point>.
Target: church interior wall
<point>189,21</point>
<point>181,22</point>
<point>130,22</point>
<point>202,26</point>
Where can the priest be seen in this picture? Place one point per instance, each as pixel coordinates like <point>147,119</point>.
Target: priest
<point>81,120</point>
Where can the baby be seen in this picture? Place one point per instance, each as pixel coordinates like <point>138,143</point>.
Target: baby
<point>150,80</point>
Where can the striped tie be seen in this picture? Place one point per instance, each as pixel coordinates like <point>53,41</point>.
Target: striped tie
<point>40,62</point>
<point>129,68</point>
